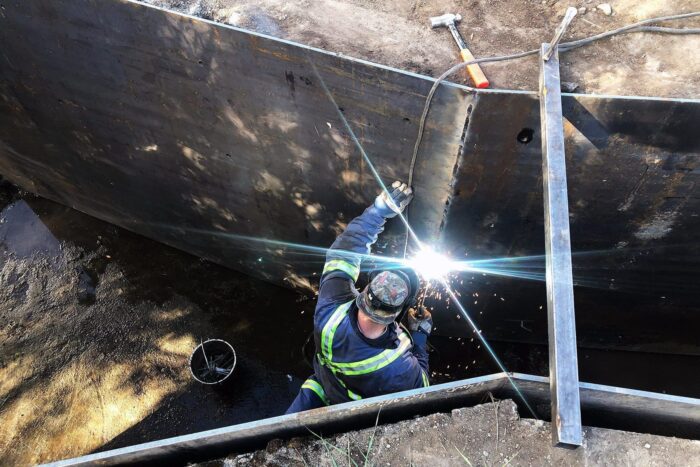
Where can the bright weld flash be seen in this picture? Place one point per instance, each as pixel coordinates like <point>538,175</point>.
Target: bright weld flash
<point>431,264</point>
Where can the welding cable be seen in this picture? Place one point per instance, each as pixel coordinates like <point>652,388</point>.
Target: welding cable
<point>635,27</point>
<point>563,47</point>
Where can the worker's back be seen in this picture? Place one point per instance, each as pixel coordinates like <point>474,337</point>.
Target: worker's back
<point>351,366</point>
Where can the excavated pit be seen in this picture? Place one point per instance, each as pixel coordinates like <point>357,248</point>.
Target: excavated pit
<point>98,321</point>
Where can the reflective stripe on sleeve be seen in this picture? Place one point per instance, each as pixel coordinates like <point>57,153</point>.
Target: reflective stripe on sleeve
<point>342,265</point>
<point>426,381</point>
<point>352,395</point>
<point>316,388</point>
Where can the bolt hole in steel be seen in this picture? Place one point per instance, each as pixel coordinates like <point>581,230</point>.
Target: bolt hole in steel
<point>525,135</point>
<point>212,361</point>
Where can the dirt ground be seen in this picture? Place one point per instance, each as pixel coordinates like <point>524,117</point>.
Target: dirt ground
<point>489,434</point>
<point>397,33</point>
<point>96,328</point>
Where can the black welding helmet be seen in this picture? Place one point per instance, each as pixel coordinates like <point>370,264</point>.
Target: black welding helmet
<point>388,294</point>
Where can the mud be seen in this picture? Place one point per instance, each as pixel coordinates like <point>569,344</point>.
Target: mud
<point>397,33</point>
<point>488,434</point>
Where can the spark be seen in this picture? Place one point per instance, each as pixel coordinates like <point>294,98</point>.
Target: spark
<point>485,343</point>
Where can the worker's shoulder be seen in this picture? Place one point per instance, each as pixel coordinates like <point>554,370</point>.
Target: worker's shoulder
<point>336,286</point>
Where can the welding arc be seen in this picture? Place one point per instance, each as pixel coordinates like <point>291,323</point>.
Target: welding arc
<point>520,267</point>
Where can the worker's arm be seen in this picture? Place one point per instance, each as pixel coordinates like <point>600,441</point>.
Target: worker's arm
<point>420,349</point>
<point>420,323</point>
<point>411,373</point>
<point>344,257</point>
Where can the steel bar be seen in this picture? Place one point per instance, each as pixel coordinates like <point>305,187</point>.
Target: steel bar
<point>607,406</point>
<point>563,362</point>
<point>559,33</point>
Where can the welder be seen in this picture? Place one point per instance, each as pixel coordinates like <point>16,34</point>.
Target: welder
<point>361,351</point>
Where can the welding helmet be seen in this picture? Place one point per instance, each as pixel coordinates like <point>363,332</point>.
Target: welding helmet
<point>388,294</point>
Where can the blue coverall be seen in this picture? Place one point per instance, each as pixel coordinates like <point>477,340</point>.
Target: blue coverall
<point>347,365</point>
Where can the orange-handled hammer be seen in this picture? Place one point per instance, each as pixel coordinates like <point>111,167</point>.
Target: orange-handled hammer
<point>474,70</point>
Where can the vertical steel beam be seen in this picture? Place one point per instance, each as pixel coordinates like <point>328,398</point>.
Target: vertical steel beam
<point>563,363</point>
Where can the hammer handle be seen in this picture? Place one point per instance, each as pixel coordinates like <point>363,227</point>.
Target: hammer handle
<point>474,70</point>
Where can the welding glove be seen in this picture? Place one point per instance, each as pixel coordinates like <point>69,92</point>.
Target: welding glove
<point>420,320</point>
<point>393,200</point>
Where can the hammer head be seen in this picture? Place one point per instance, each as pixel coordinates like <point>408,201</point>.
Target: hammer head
<point>444,20</point>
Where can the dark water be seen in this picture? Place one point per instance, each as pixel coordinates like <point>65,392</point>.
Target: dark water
<point>269,326</point>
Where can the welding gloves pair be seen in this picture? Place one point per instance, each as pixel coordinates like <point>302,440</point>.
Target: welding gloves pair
<point>394,199</point>
<point>420,320</point>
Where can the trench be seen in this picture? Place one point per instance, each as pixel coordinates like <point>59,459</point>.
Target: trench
<point>268,325</point>
<point>97,322</point>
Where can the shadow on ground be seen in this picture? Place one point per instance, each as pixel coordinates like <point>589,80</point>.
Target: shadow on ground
<point>97,327</point>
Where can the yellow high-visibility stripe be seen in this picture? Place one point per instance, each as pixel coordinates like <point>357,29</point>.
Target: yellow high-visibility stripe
<point>375,363</point>
<point>353,396</point>
<point>316,388</point>
<point>363,367</point>
<point>341,265</point>
<point>386,361</point>
<point>331,326</point>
